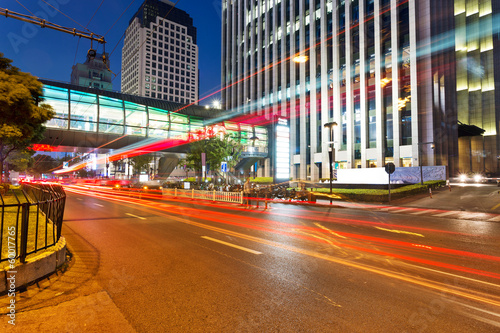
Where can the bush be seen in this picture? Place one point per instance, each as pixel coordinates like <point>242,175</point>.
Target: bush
<point>379,195</point>
<point>193,179</point>
<point>262,180</point>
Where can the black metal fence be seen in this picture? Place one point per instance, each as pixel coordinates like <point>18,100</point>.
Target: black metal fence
<point>31,220</point>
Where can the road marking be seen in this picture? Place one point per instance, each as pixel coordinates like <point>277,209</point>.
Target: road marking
<point>495,207</point>
<point>422,212</point>
<point>387,209</point>
<point>98,205</point>
<point>444,214</point>
<point>232,245</point>
<point>139,217</point>
<point>79,199</point>
<point>494,219</point>
<point>404,210</point>
<point>400,231</point>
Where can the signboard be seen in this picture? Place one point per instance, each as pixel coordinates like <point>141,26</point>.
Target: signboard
<point>65,165</point>
<point>282,150</point>
<point>390,168</point>
<point>223,167</point>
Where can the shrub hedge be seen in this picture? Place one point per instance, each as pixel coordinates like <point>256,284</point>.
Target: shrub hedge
<point>379,195</point>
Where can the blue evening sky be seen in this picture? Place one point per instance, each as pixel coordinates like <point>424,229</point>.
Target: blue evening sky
<point>50,54</point>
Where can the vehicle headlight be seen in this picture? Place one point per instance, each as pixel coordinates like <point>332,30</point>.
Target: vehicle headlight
<point>462,178</point>
<point>478,178</point>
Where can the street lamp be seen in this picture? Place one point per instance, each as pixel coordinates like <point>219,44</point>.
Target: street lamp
<point>420,158</point>
<point>331,151</point>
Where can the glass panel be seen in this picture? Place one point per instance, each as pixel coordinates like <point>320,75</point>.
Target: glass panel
<point>83,126</point>
<point>179,127</point>
<point>158,133</point>
<point>179,118</point>
<point>179,135</point>
<point>158,114</point>
<point>58,99</point>
<point>83,109</point>
<point>154,124</point>
<point>136,115</point>
<point>57,123</point>
<point>110,128</point>
<point>110,110</point>
<point>140,131</point>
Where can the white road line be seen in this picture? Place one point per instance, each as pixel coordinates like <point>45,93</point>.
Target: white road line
<point>79,199</point>
<point>444,214</point>
<point>404,210</point>
<point>494,219</point>
<point>387,209</point>
<point>421,212</point>
<point>232,245</point>
<point>139,217</point>
<point>98,205</point>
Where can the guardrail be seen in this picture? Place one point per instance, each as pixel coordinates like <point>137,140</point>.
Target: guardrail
<point>31,220</point>
<point>234,197</point>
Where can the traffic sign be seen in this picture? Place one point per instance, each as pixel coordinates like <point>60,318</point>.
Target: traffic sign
<point>390,168</point>
<point>223,167</point>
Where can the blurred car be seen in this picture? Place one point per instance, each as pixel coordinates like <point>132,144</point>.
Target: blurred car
<point>148,185</point>
<point>472,178</point>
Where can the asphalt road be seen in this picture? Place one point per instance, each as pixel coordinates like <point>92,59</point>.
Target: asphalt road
<point>186,266</point>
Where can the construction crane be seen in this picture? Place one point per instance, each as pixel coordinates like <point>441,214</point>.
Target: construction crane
<point>46,24</point>
<point>72,31</point>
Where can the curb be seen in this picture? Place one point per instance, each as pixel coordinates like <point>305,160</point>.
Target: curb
<point>34,268</point>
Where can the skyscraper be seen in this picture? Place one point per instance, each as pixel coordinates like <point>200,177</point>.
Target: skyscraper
<point>384,71</point>
<point>93,73</point>
<point>160,55</point>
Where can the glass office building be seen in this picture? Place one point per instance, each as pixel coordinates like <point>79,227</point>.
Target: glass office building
<point>385,71</point>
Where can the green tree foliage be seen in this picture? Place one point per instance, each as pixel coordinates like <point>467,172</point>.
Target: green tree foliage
<point>21,114</point>
<point>217,148</point>
<point>20,160</point>
<point>42,163</point>
<point>141,162</point>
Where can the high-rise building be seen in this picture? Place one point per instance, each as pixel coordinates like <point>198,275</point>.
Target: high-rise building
<point>160,55</point>
<point>93,73</point>
<point>476,45</point>
<point>394,76</point>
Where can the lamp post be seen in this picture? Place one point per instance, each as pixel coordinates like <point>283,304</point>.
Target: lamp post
<point>254,138</point>
<point>420,158</point>
<point>331,151</point>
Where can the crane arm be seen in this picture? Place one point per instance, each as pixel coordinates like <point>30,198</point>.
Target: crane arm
<point>46,24</point>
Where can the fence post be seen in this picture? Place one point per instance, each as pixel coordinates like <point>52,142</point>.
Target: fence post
<point>214,196</point>
<point>24,231</point>
<point>192,194</point>
<point>241,198</point>
<point>175,193</point>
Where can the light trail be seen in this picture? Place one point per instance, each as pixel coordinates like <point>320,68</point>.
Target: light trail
<point>265,226</point>
<point>457,291</point>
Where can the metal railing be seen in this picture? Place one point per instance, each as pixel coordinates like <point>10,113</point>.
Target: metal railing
<point>224,196</point>
<point>31,220</point>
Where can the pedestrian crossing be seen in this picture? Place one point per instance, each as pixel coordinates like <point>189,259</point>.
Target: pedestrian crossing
<point>461,215</point>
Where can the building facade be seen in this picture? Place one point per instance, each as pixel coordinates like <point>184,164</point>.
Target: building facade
<point>384,71</point>
<point>478,65</point>
<point>160,55</point>
<point>93,73</point>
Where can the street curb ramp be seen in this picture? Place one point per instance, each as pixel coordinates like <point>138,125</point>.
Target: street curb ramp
<point>35,268</point>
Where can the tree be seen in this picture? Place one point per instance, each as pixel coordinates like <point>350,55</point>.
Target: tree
<point>218,149</point>
<point>141,161</point>
<point>43,164</point>
<point>20,160</point>
<point>21,114</point>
